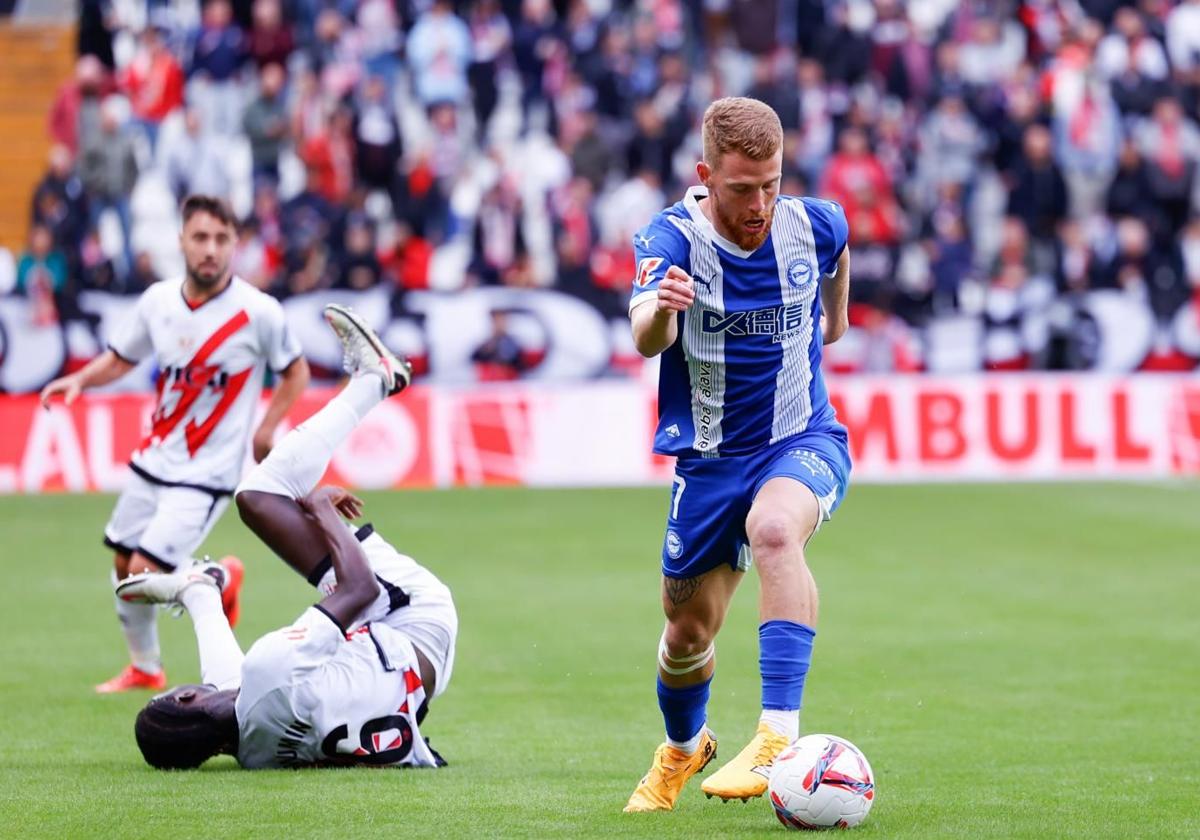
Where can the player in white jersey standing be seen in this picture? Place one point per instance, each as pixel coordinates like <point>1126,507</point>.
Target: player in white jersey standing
<point>351,680</point>
<point>738,288</point>
<point>212,336</point>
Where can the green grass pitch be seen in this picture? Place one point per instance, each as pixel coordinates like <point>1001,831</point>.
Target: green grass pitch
<point>1015,660</point>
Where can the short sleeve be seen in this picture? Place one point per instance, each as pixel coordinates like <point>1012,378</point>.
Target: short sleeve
<point>131,341</point>
<point>830,231</point>
<point>279,344</point>
<point>656,247</point>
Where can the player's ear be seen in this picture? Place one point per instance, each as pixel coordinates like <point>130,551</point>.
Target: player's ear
<point>703,172</point>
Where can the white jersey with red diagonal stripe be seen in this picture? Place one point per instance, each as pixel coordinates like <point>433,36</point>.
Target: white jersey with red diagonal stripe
<point>211,361</point>
<point>312,695</point>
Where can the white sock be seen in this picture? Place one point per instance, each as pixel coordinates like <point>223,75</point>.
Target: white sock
<point>785,722</point>
<point>220,655</point>
<point>298,461</point>
<point>139,623</point>
<point>691,745</point>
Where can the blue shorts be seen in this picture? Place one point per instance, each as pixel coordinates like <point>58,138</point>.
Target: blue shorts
<point>711,497</point>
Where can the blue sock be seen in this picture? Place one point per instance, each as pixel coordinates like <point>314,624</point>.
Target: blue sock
<point>784,654</point>
<point>683,709</point>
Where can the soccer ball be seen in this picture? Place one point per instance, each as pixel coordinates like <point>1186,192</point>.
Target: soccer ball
<point>821,781</point>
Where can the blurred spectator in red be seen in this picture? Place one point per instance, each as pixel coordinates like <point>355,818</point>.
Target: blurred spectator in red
<point>330,157</point>
<point>270,40</point>
<point>219,53</point>
<point>407,259</point>
<point>153,81</point>
<point>41,274</point>
<point>266,124</point>
<point>76,109</point>
<point>856,179</point>
<point>109,171</point>
<point>308,108</point>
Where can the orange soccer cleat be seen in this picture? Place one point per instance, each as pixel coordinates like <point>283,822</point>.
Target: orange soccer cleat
<point>235,571</point>
<point>133,678</point>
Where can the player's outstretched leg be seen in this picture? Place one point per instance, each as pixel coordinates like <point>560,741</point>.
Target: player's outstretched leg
<point>199,589</point>
<point>267,497</point>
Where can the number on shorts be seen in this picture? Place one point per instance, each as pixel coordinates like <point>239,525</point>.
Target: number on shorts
<point>677,488</point>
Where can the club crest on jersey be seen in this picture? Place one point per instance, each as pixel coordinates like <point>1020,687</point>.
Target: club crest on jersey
<point>646,269</point>
<point>800,274</point>
<point>674,545</point>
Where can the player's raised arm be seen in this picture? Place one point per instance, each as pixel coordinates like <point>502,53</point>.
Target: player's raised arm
<point>655,325</point>
<point>292,381</point>
<point>105,368</point>
<point>835,301</point>
<point>357,586</point>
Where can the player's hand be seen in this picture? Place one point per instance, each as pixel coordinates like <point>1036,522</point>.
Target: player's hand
<point>264,440</point>
<point>68,386</point>
<point>676,292</point>
<point>339,498</point>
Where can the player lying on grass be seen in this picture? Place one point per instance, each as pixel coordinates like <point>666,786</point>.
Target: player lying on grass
<point>351,680</point>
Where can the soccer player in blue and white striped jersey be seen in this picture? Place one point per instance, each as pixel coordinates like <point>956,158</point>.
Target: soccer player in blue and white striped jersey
<point>738,288</point>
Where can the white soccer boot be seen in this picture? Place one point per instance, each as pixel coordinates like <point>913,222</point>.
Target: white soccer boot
<point>160,588</point>
<point>363,352</point>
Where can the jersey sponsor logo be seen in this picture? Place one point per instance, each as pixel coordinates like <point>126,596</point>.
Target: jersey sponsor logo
<point>800,274</point>
<point>645,240</point>
<point>779,321</point>
<point>700,281</point>
<point>646,268</point>
<point>704,383</point>
<point>673,430</point>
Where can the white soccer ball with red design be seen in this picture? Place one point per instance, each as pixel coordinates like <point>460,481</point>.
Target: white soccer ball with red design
<point>821,781</point>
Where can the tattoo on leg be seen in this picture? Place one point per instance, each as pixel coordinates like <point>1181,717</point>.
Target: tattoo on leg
<point>680,590</point>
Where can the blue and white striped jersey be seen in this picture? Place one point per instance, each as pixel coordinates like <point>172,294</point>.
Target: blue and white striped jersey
<point>746,369</point>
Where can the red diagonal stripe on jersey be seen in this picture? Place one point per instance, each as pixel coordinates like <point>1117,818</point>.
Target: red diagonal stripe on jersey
<point>163,426</point>
<point>197,434</point>
<point>412,681</point>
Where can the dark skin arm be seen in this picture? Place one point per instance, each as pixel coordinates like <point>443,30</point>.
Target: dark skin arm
<point>357,587</point>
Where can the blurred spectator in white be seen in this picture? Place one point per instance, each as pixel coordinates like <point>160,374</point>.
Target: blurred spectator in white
<point>1087,134</point>
<point>1183,39</point>
<point>266,123</point>
<point>951,142</point>
<point>218,55</point>
<point>337,54</point>
<point>381,40</point>
<point>439,52</point>
<point>994,50</point>
<point>196,160</point>
<point>109,171</point>
<point>1131,48</point>
<point>308,108</point>
<point>153,81</point>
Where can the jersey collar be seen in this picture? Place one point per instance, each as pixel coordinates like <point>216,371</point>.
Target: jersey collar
<point>691,203</point>
<point>192,307</point>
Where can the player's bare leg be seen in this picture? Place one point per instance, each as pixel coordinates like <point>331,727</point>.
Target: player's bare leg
<point>695,609</point>
<point>268,499</point>
<point>784,515</point>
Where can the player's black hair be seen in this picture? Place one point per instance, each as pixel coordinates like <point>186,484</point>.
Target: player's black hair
<point>216,207</point>
<point>172,736</point>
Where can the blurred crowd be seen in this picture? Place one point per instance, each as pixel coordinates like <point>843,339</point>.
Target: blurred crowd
<point>990,156</point>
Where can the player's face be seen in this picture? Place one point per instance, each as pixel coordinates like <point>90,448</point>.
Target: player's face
<point>741,194</point>
<point>207,249</point>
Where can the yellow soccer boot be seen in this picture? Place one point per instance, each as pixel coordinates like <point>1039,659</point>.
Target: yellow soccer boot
<point>661,786</point>
<point>746,775</point>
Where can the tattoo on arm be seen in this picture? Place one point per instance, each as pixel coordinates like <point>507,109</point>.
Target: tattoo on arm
<point>680,590</point>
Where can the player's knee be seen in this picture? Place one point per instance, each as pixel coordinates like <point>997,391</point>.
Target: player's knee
<point>686,637</point>
<point>772,533</point>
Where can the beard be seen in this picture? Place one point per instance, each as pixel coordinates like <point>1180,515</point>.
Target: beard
<point>734,225</point>
<point>207,278</point>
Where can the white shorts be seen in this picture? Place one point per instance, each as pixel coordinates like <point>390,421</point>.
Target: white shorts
<point>165,523</point>
<point>412,600</point>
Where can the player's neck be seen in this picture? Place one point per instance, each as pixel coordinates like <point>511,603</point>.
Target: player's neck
<point>195,295</point>
<point>706,209</point>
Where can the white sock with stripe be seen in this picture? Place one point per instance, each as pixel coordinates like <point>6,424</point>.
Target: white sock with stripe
<point>139,624</point>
